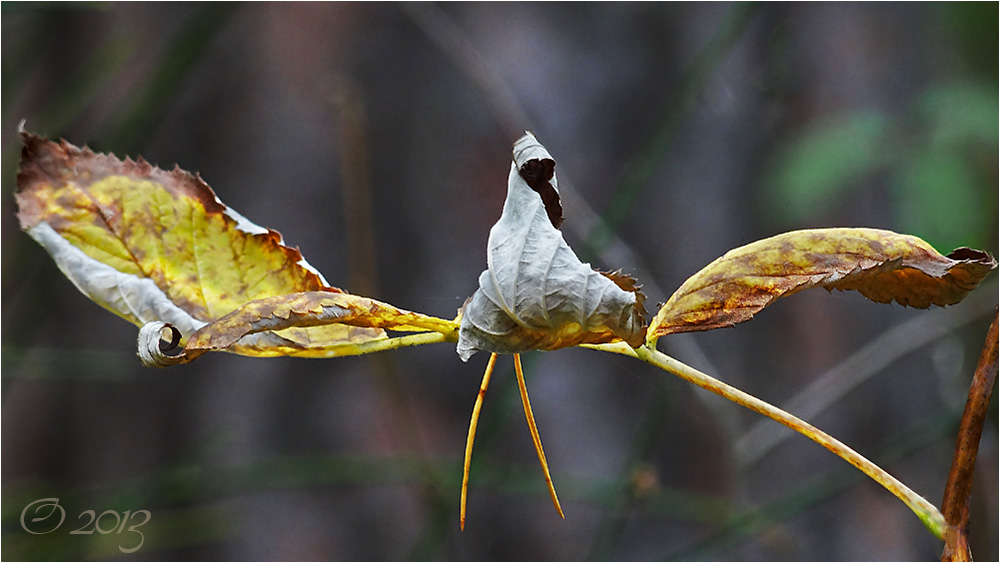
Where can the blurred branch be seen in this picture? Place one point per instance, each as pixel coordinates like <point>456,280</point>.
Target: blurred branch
<point>805,495</point>
<point>40,363</point>
<point>869,360</point>
<point>958,490</point>
<point>455,44</point>
<point>181,56</point>
<point>347,102</point>
<point>641,168</point>
<point>625,495</point>
<point>86,82</point>
<point>197,487</point>
<point>927,512</point>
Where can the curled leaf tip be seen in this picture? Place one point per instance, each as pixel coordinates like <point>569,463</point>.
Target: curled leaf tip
<point>154,351</point>
<point>537,168</point>
<point>536,294</point>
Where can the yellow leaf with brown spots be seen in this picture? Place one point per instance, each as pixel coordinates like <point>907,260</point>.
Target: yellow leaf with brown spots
<point>152,245</point>
<point>278,326</point>
<point>881,265</point>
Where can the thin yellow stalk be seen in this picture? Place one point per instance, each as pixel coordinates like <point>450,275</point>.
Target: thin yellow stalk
<point>927,512</point>
<point>381,345</point>
<point>472,436</point>
<point>534,433</point>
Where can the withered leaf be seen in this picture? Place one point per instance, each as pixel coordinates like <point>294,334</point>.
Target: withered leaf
<point>538,169</point>
<point>535,293</point>
<point>537,173</point>
<point>158,246</point>
<point>277,326</point>
<point>881,265</point>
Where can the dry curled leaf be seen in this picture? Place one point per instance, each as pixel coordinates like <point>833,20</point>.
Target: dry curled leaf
<point>158,246</point>
<point>297,316</point>
<point>535,293</point>
<point>881,265</point>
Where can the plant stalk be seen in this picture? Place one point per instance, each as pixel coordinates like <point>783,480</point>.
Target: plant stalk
<point>473,423</point>
<point>927,512</point>
<point>958,490</point>
<point>393,343</point>
<point>533,428</point>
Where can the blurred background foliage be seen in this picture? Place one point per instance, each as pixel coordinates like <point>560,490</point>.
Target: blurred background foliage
<point>937,155</point>
<point>376,137</point>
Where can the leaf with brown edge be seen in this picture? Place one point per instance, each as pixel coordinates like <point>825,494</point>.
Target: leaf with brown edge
<point>278,326</point>
<point>626,282</point>
<point>152,245</point>
<point>881,265</point>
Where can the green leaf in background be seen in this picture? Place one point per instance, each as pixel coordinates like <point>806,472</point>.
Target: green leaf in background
<point>939,155</point>
<point>945,182</point>
<point>818,166</point>
<point>939,195</point>
<point>960,114</point>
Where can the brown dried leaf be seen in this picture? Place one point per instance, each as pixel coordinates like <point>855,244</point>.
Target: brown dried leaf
<point>881,265</point>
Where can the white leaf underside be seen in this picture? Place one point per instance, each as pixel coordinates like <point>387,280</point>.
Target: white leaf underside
<point>136,299</point>
<point>140,301</point>
<point>533,279</point>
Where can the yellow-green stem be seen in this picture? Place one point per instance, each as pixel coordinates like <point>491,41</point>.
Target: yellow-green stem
<point>385,344</point>
<point>927,512</point>
<point>533,428</point>
<point>473,423</point>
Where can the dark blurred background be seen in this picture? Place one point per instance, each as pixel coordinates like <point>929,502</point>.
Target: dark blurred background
<point>680,131</point>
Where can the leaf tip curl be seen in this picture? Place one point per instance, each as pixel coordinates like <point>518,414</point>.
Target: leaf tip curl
<point>537,167</point>
<point>154,351</point>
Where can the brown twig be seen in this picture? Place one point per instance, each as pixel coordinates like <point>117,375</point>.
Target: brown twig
<point>958,490</point>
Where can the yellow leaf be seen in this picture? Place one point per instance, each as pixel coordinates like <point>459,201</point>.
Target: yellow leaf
<point>881,265</point>
<point>152,245</point>
<point>295,318</point>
